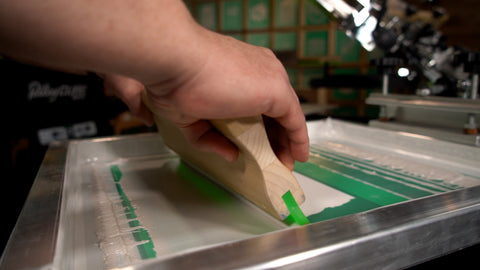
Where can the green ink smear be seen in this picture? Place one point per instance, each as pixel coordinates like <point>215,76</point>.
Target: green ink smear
<point>376,180</point>
<point>128,208</point>
<point>348,185</point>
<point>204,185</point>
<point>296,214</point>
<point>146,250</point>
<point>355,205</point>
<point>405,185</point>
<point>220,195</point>
<point>116,173</point>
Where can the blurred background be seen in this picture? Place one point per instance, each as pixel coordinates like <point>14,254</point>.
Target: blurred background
<point>313,46</point>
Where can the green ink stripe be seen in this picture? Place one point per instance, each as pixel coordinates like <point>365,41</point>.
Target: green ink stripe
<point>384,173</point>
<point>376,180</point>
<point>296,213</point>
<point>146,250</point>
<point>128,208</point>
<point>116,173</point>
<point>388,173</point>
<point>434,185</point>
<point>381,171</point>
<point>355,205</point>
<point>348,185</point>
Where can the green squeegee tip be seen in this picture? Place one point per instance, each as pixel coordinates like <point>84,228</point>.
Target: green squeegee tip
<point>296,214</point>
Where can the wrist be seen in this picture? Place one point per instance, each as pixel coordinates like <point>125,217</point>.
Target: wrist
<point>174,53</point>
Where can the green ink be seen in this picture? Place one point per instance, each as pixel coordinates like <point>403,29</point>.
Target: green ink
<point>128,208</point>
<point>348,185</point>
<point>219,195</point>
<point>296,214</point>
<point>116,173</point>
<point>435,185</point>
<point>141,235</point>
<point>146,250</point>
<point>375,180</point>
<point>134,223</point>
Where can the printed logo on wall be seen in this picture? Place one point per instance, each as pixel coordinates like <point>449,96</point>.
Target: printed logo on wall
<point>38,90</point>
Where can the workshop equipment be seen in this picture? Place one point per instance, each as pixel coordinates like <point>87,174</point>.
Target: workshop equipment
<point>373,196</point>
<point>443,79</point>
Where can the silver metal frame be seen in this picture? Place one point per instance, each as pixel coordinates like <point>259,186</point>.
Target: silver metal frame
<point>33,240</point>
<point>389,238</point>
<point>449,104</point>
<point>395,236</point>
<point>443,118</point>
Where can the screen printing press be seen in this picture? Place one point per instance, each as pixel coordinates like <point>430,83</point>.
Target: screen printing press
<point>374,199</point>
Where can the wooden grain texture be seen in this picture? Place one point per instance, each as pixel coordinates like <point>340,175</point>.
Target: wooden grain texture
<point>256,175</point>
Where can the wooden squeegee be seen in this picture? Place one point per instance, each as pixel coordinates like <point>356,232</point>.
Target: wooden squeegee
<point>257,174</point>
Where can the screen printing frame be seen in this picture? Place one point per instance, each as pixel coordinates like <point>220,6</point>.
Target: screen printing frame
<point>394,236</point>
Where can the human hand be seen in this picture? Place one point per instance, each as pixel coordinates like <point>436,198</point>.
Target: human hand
<point>191,74</point>
<point>234,80</point>
<point>129,91</point>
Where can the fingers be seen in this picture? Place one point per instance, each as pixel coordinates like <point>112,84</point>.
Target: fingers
<point>278,141</point>
<point>133,99</point>
<point>145,115</point>
<point>288,114</point>
<point>202,135</point>
<point>253,82</point>
<point>129,91</point>
<point>298,142</point>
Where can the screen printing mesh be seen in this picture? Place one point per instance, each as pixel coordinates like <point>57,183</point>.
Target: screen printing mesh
<point>149,209</point>
<point>155,207</point>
